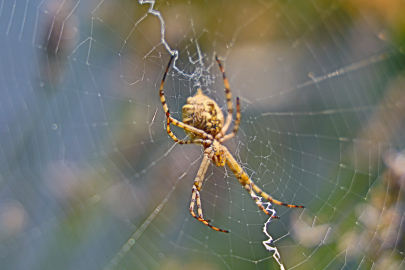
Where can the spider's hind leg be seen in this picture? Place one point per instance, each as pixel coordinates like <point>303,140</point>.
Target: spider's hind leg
<point>170,119</point>
<point>237,121</point>
<point>171,134</point>
<point>228,96</point>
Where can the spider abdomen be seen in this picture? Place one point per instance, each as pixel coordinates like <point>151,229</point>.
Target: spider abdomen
<point>203,113</point>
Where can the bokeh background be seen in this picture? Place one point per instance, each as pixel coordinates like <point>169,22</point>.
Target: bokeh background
<point>89,178</point>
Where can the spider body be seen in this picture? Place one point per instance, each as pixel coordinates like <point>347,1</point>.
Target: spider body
<point>205,124</point>
<point>219,157</point>
<point>203,113</point>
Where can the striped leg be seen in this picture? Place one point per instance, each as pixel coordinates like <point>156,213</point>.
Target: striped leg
<point>228,96</point>
<point>192,129</point>
<point>271,199</point>
<point>171,134</point>
<point>195,195</point>
<point>245,180</point>
<point>173,121</point>
<point>258,201</point>
<point>237,121</point>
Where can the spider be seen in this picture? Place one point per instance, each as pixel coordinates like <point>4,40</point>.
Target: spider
<point>204,124</point>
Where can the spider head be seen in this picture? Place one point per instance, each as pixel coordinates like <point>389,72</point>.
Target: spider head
<point>203,113</point>
<point>219,157</point>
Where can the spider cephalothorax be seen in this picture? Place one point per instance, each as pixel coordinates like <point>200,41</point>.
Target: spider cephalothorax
<point>219,151</point>
<point>204,123</point>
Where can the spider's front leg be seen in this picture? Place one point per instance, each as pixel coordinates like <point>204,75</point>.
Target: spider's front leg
<point>251,187</point>
<point>195,196</point>
<point>258,201</point>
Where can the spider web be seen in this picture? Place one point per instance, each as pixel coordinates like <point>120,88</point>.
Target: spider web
<point>89,178</point>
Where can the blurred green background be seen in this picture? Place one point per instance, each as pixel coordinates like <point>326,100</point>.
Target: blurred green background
<point>89,181</point>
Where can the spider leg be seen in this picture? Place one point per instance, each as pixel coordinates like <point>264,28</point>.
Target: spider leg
<point>228,96</point>
<point>195,195</point>
<point>172,120</point>
<point>270,198</point>
<point>199,208</point>
<point>258,201</point>
<point>245,180</point>
<point>192,129</point>
<point>237,121</point>
<point>171,134</point>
